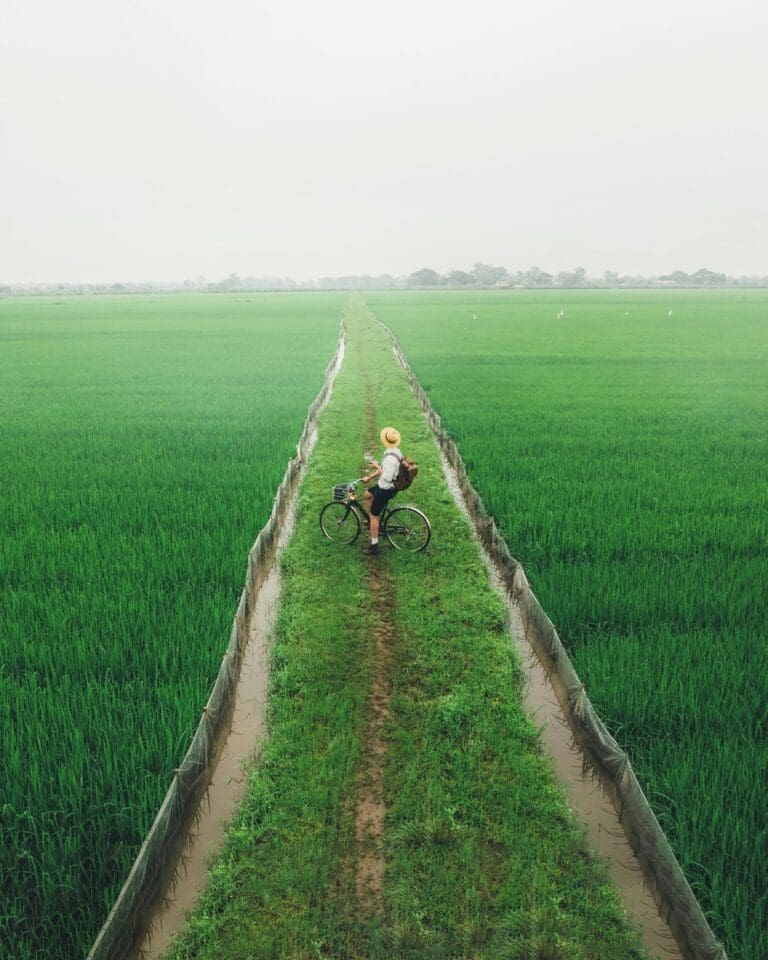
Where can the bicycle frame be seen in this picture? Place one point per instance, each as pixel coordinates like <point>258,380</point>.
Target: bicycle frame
<point>361,511</point>
<point>357,506</point>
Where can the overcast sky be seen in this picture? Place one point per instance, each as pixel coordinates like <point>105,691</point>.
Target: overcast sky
<point>161,139</point>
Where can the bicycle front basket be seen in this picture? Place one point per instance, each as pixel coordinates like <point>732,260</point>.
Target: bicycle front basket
<point>340,491</point>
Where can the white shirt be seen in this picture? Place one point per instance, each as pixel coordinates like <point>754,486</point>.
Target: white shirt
<point>389,468</point>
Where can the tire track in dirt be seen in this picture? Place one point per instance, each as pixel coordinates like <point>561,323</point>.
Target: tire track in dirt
<point>370,812</point>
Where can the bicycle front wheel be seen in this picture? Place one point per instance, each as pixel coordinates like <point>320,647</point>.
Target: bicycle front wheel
<point>339,522</point>
<point>407,529</point>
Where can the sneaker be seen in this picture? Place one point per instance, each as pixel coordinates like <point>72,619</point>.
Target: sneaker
<point>372,550</point>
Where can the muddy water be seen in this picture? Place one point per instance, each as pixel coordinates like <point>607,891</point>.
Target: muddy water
<point>241,741</point>
<point>586,797</point>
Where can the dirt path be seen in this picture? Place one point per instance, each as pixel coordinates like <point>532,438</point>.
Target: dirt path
<point>370,810</point>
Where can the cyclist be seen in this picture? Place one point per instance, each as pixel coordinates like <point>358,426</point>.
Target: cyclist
<point>377,496</point>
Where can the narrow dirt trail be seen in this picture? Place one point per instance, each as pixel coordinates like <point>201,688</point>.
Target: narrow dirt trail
<point>370,809</point>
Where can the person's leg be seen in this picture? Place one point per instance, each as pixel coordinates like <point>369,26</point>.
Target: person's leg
<point>373,502</point>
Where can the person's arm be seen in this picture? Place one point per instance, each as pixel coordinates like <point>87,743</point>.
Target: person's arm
<point>373,475</point>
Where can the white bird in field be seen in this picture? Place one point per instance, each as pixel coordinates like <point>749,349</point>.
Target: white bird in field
<point>474,316</point>
<point>669,314</point>
<point>626,313</point>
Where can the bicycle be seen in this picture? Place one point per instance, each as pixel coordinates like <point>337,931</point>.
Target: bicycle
<point>406,527</point>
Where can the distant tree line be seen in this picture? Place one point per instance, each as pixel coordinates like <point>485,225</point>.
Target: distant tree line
<point>486,275</point>
<point>482,276</point>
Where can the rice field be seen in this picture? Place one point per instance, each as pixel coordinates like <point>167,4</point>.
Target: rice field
<point>143,439</point>
<point>621,441</point>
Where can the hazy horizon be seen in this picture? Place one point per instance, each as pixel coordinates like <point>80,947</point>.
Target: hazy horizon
<point>163,142</point>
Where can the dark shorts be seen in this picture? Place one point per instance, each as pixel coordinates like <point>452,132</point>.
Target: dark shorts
<point>380,498</point>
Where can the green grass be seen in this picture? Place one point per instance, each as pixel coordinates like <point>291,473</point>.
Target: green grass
<point>482,857</point>
<point>143,440</point>
<point>624,454</point>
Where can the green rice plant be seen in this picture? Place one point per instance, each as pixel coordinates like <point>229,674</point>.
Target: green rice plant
<point>143,440</point>
<point>624,452</point>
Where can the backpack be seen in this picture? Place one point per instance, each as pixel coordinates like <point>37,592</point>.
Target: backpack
<point>406,473</point>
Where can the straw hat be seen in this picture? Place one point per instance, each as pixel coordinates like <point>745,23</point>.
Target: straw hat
<point>390,437</point>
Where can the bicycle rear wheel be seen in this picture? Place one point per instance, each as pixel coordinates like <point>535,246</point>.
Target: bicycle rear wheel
<point>339,522</point>
<point>408,529</point>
